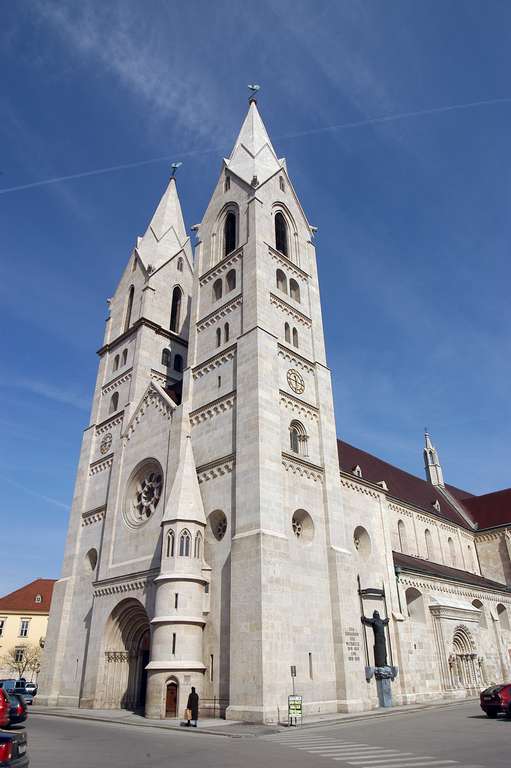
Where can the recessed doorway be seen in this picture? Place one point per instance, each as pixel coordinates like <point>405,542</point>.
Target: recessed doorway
<point>171,700</point>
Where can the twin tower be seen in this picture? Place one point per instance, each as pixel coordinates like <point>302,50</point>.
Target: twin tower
<point>206,537</point>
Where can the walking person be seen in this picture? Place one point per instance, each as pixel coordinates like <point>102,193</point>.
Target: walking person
<point>192,708</point>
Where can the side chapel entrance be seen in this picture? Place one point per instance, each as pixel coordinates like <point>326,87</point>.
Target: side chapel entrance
<point>171,699</point>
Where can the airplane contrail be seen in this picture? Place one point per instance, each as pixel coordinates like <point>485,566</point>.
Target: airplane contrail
<point>295,135</point>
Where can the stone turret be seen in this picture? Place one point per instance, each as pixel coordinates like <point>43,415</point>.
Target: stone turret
<point>432,466</point>
<point>177,627</point>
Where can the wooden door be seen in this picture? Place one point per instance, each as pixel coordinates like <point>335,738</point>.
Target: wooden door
<point>171,701</point>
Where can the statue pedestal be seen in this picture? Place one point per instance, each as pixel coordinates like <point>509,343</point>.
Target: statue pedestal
<point>383,677</point>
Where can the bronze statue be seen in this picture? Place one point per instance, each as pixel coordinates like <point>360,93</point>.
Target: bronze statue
<point>380,647</point>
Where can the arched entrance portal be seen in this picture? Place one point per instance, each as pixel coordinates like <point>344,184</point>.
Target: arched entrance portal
<point>126,655</point>
<point>463,661</point>
<point>171,698</point>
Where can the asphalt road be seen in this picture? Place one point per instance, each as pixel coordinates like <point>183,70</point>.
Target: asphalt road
<point>450,737</point>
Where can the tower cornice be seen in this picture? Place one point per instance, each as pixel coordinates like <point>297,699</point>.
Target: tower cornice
<point>142,321</point>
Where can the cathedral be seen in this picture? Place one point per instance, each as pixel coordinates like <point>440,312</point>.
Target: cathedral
<point>221,536</point>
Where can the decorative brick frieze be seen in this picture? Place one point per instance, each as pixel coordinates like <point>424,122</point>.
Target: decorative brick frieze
<point>294,359</point>
<point>302,467</point>
<point>214,362</point>
<point>215,408</point>
<point>222,267</point>
<point>217,468</point>
<point>298,407</point>
<point>115,383</point>
<point>287,309</point>
<point>93,516</point>
<point>101,465</point>
<point>359,488</point>
<point>109,424</point>
<point>220,313</point>
<point>287,264</point>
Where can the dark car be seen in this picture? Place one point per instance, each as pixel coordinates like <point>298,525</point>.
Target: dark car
<point>5,706</point>
<point>8,684</point>
<point>18,708</point>
<point>496,700</point>
<point>28,697</point>
<point>13,749</point>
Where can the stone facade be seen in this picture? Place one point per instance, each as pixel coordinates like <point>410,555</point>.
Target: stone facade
<point>216,537</point>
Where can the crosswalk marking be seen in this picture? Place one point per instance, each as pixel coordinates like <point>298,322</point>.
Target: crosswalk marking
<point>399,760</point>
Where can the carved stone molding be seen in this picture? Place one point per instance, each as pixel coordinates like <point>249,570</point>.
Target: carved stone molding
<point>109,424</point>
<point>162,380</point>
<point>298,407</point>
<point>93,516</point>
<point>220,313</point>
<point>221,267</point>
<point>288,265</point>
<point>214,362</point>
<point>214,408</point>
<point>297,360</point>
<point>359,488</point>
<point>122,379</point>
<point>302,468</point>
<point>214,469</point>
<point>152,399</point>
<point>121,587</point>
<point>101,465</point>
<point>493,536</point>
<point>432,584</point>
<point>287,309</point>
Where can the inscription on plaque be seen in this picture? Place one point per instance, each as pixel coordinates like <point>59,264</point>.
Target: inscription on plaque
<point>352,644</point>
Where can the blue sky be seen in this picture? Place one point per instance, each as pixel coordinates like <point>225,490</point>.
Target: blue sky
<point>413,212</point>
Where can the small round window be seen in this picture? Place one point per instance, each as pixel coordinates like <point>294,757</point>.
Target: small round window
<point>362,541</point>
<point>218,524</point>
<point>302,525</point>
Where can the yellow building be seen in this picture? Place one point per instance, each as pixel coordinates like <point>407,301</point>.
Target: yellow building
<point>23,622</point>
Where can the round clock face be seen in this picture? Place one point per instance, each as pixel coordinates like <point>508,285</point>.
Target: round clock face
<point>106,442</point>
<point>295,381</point>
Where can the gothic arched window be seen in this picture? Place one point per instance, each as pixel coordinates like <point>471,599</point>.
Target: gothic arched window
<point>116,362</point>
<point>282,184</point>
<point>281,280</point>
<point>218,337</point>
<point>170,544</point>
<point>281,233</point>
<point>185,543</point>
<point>114,402</point>
<point>165,357</point>
<point>129,308</point>
<point>295,337</point>
<point>180,264</point>
<point>124,356</point>
<point>287,333</point>
<point>175,310</point>
<point>229,233</point>
<point>297,438</point>
<point>217,290</point>
<point>230,280</point>
<point>227,183</point>
<point>197,545</point>
<point>178,363</point>
<point>226,332</point>
<point>294,290</point>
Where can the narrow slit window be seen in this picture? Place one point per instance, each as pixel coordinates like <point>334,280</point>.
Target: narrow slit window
<point>175,310</point>
<point>229,233</point>
<point>218,336</point>
<point>173,643</point>
<point>129,308</point>
<point>281,233</point>
<point>311,671</point>
<point>287,333</point>
<point>226,332</point>
<point>211,668</point>
<point>176,599</point>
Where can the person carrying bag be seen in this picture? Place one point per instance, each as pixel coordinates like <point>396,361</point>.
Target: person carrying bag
<point>192,709</point>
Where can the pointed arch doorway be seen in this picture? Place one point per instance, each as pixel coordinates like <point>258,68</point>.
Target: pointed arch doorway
<point>171,698</point>
<point>126,654</point>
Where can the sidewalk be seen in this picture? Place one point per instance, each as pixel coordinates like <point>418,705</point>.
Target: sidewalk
<point>232,728</point>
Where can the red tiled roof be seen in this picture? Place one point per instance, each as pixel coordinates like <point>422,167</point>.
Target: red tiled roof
<point>428,568</point>
<point>491,509</point>
<point>23,599</point>
<point>402,485</point>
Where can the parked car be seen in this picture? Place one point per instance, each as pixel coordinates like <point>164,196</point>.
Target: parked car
<point>496,700</point>
<point>5,706</point>
<point>9,684</point>
<point>13,749</point>
<point>18,708</point>
<point>31,688</point>
<point>29,698</point>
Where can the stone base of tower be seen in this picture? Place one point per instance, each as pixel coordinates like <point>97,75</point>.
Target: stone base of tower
<point>168,690</point>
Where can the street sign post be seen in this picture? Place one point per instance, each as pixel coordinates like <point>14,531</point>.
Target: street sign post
<point>294,709</point>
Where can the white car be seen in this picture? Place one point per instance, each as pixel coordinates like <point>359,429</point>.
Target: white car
<point>31,688</point>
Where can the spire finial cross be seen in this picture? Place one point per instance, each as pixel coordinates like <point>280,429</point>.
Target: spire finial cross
<point>174,167</point>
<point>253,88</point>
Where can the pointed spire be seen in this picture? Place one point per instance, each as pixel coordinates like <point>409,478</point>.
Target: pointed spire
<point>253,158</point>
<point>168,215</point>
<point>434,472</point>
<point>185,500</point>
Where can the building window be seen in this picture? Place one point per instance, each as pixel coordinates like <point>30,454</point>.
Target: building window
<point>226,332</point>
<point>503,616</point>
<point>116,362</point>
<point>170,544</point>
<point>129,308</point>
<point>211,668</point>
<point>176,600</point>
<point>24,627</point>
<point>217,290</point>
<point>38,599</point>
<point>184,543</point>
<point>415,604</point>
<point>175,311</point>
<point>197,546</point>
<point>452,551</point>
<point>180,264</point>
<point>294,290</point>
<point>281,280</point>
<point>124,356</point>
<point>287,333</point>
<point>19,654</point>
<point>165,357</point>
<point>114,402</point>
<point>229,233</point>
<point>218,337</point>
<point>298,438</point>
<point>311,675</point>
<point>227,183</point>
<point>295,337</point>
<point>2,625</point>
<point>281,233</point>
<point>401,532</point>
<point>173,643</point>
<point>230,280</point>
<point>429,544</point>
<point>282,184</point>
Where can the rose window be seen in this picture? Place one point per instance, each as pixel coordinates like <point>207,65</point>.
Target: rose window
<point>143,493</point>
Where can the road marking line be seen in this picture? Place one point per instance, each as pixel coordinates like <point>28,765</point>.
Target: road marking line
<point>362,751</point>
<point>426,763</point>
<point>426,760</point>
